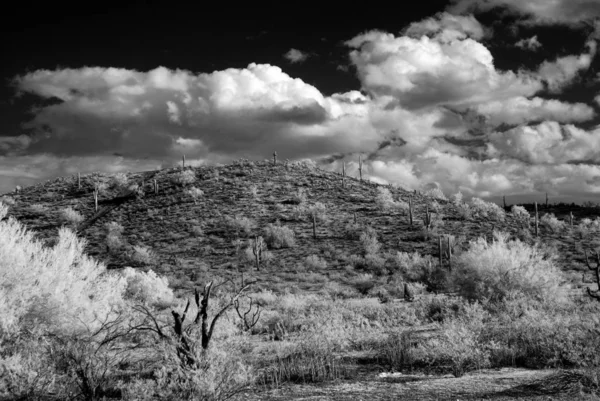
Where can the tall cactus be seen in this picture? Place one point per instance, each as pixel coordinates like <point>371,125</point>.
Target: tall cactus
<point>258,246</point>
<point>96,199</point>
<point>596,269</point>
<point>274,158</point>
<point>410,211</point>
<point>537,220</point>
<point>360,167</point>
<point>343,174</point>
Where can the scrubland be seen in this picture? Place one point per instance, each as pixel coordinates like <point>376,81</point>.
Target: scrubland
<point>262,281</point>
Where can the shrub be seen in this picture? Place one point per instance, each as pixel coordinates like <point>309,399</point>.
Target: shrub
<point>299,197</point>
<point>550,222</point>
<point>71,216</point>
<point>457,198</point>
<point>142,254</point>
<point>7,200</point>
<point>119,181</point>
<point>75,289</point>
<point>436,193</point>
<point>520,214</point>
<point>315,263</point>
<point>113,236</point>
<point>240,224</point>
<point>147,287</point>
<point>38,208</point>
<point>278,236</point>
<point>194,193</point>
<point>492,271</point>
<point>464,211</point>
<point>483,209</point>
<point>384,199</point>
<point>184,177</point>
<point>368,240</point>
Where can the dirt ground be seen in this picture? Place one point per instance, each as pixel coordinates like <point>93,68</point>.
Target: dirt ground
<point>497,385</point>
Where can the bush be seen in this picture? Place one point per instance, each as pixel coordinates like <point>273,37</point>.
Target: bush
<point>483,209</point>
<point>113,236</point>
<point>71,216</point>
<point>550,222</point>
<point>194,193</point>
<point>520,214</point>
<point>119,181</point>
<point>184,177</point>
<point>492,271</point>
<point>142,254</point>
<point>58,287</point>
<point>240,224</point>
<point>147,287</point>
<point>384,199</point>
<point>315,263</point>
<point>436,193</point>
<point>278,236</point>
<point>457,198</point>
<point>368,240</point>
<point>38,208</point>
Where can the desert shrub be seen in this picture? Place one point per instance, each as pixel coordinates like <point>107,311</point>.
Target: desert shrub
<point>75,289</point>
<point>435,193</point>
<point>278,236</point>
<point>384,199</point>
<point>369,242</point>
<point>253,190</point>
<point>38,208</point>
<point>299,197</point>
<point>483,209</point>
<point>219,374</point>
<point>457,198</point>
<point>551,223</point>
<point>142,254</point>
<point>71,216</point>
<point>464,211</point>
<point>490,271</point>
<point>147,287</point>
<point>7,200</point>
<point>194,193</point>
<point>239,224</point>
<point>119,181</point>
<point>113,236</point>
<point>184,177</point>
<point>353,231</point>
<point>313,262</point>
<point>424,269</point>
<point>520,214</point>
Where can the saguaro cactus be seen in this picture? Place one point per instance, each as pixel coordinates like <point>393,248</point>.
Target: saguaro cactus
<point>274,158</point>
<point>596,269</point>
<point>183,161</point>
<point>410,211</point>
<point>258,246</point>
<point>155,187</point>
<point>360,167</point>
<point>571,219</point>
<point>536,220</point>
<point>343,174</point>
<point>546,200</point>
<point>78,180</point>
<point>96,198</point>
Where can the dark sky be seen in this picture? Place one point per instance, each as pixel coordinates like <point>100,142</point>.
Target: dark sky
<point>65,40</point>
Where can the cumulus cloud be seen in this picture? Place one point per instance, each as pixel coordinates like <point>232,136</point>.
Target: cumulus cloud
<point>529,44</point>
<point>424,72</point>
<point>295,56</point>
<point>520,110</point>
<point>561,72</point>
<point>446,27</point>
<point>543,12</point>
<point>547,143</point>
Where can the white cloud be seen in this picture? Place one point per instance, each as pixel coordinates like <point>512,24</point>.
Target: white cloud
<point>562,71</point>
<point>529,44</point>
<point>520,110</point>
<point>446,27</point>
<point>424,72</point>
<point>547,143</point>
<point>295,56</point>
<point>544,12</point>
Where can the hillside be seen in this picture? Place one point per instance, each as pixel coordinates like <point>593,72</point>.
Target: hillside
<point>189,236</point>
<point>335,321</point>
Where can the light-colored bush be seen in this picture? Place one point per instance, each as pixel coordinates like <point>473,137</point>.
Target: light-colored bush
<point>58,287</point>
<point>457,198</point>
<point>71,216</point>
<point>368,240</point>
<point>278,236</point>
<point>119,181</point>
<point>38,208</point>
<point>114,240</point>
<point>143,254</point>
<point>313,262</point>
<point>240,224</point>
<point>520,214</point>
<point>194,193</point>
<point>435,193</point>
<point>384,199</point>
<point>493,270</point>
<point>147,287</point>
<point>550,222</point>
<point>483,209</point>
<point>185,177</point>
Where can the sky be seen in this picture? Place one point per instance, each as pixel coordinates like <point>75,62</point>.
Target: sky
<point>488,97</point>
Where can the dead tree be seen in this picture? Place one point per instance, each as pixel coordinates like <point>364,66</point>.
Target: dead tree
<point>248,323</point>
<point>596,269</point>
<point>258,246</point>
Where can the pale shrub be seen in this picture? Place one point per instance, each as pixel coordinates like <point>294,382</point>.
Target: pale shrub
<point>493,270</point>
<point>71,216</point>
<point>368,240</point>
<point>278,236</point>
<point>185,177</point>
<point>315,263</point>
<point>38,208</point>
<point>7,200</point>
<point>147,287</point>
<point>119,181</point>
<point>143,254</point>
<point>299,197</point>
<point>464,211</point>
<point>113,235</point>
<point>483,209</point>
<point>59,287</point>
<point>520,214</point>
<point>457,198</point>
<point>553,224</point>
<point>194,193</point>
<point>384,199</point>
<point>435,193</point>
<point>239,224</point>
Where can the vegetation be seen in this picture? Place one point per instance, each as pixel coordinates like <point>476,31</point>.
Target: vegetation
<point>296,280</point>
